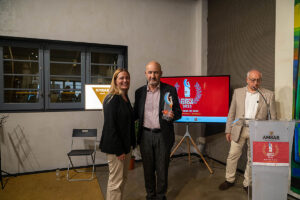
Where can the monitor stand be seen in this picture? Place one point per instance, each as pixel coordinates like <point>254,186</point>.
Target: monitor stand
<point>189,139</point>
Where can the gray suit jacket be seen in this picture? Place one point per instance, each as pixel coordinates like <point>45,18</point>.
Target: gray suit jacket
<point>237,110</point>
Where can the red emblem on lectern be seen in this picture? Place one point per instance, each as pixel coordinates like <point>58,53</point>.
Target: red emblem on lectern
<point>271,153</point>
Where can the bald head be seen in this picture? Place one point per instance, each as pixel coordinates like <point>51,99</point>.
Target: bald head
<point>153,74</point>
<point>254,71</point>
<point>153,64</point>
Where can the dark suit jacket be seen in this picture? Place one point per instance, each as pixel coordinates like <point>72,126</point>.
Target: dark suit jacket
<point>167,127</point>
<point>118,134</point>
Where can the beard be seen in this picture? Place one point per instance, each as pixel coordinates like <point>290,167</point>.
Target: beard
<point>153,82</point>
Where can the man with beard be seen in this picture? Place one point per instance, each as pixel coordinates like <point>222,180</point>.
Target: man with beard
<point>155,134</point>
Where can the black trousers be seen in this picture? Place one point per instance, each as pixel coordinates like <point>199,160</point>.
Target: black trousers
<point>156,157</point>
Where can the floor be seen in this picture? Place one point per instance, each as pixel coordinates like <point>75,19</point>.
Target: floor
<point>49,186</point>
<point>186,181</point>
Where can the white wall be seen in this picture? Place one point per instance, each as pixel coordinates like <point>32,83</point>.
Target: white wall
<point>201,15</point>
<point>284,54</point>
<point>163,30</point>
<point>169,31</point>
<point>40,141</point>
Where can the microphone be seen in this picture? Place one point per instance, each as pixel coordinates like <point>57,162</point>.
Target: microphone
<point>268,106</point>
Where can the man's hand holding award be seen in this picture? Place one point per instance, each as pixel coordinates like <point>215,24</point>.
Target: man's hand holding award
<point>167,112</point>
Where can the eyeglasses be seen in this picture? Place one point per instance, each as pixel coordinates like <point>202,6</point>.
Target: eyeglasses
<point>254,80</point>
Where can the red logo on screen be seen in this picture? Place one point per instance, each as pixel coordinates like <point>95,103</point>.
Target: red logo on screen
<point>201,96</point>
<point>191,96</point>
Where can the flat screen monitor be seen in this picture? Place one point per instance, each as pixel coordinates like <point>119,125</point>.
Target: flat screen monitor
<point>202,98</point>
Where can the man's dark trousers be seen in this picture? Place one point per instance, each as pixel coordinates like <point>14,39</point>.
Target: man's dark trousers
<point>156,157</point>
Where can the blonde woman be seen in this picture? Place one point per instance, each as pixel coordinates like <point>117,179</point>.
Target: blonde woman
<point>118,135</point>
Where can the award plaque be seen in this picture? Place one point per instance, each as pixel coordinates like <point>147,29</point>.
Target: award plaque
<point>168,103</point>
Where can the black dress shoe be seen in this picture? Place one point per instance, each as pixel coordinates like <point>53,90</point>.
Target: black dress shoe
<point>225,185</point>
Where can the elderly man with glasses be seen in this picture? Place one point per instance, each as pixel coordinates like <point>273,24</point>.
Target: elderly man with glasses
<point>246,104</point>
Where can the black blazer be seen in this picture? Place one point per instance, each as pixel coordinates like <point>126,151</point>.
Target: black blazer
<point>118,134</point>
<point>167,127</point>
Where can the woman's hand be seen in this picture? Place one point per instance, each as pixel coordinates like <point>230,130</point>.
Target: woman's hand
<point>121,157</point>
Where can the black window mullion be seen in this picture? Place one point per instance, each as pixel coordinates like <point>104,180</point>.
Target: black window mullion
<point>41,79</point>
<point>83,78</point>
<point>1,78</point>
<point>46,53</point>
<point>88,67</point>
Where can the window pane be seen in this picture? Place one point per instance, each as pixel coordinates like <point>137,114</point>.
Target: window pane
<point>20,53</point>
<point>65,56</point>
<point>107,71</point>
<point>21,96</point>
<point>100,80</point>
<point>65,69</point>
<point>11,67</point>
<point>104,58</point>
<point>65,96</point>
<point>65,83</point>
<point>25,81</point>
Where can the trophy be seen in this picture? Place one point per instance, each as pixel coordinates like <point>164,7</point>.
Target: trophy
<point>167,106</point>
<point>187,88</point>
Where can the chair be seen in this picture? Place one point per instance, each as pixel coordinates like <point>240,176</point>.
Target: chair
<point>80,134</point>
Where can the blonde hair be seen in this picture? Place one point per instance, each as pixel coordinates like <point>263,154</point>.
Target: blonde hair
<point>113,86</point>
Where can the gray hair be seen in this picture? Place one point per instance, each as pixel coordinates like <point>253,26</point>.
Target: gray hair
<point>248,73</point>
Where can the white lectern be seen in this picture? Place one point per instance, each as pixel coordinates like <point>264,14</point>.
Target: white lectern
<point>271,146</point>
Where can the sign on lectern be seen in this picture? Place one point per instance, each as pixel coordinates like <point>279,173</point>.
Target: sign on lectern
<point>271,145</point>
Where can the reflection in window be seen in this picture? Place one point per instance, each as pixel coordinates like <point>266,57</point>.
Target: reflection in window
<point>65,91</point>
<point>65,69</point>
<point>58,55</point>
<point>103,66</point>
<point>20,53</point>
<point>104,58</point>
<point>65,76</point>
<point>21,67</point>
<point>21,75</point>
<point>65,96</point>
<point>19,81</point>
<point>99,80</point>
<point>42,75</point>
<point>21,96</point>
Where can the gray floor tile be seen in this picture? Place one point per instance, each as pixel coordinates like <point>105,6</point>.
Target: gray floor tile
<point>186,181</point>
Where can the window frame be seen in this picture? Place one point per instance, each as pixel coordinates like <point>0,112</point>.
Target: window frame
<point>44,47</point>
<point>120,64</point>
<point>69,105</point>
<point>20,106</point>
